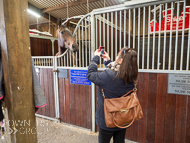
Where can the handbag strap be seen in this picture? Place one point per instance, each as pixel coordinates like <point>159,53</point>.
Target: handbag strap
<point>134,89</point>
<point>123,126</point>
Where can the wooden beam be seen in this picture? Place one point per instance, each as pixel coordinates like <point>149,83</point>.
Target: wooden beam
<point>16,57</point>
<point>45,15</point>
<point>75,3</point>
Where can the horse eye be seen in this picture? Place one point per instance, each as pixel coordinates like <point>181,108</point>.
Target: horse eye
<point>61,32</point>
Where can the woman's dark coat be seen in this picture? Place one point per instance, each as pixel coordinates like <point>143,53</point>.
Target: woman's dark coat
<point>113,87</point>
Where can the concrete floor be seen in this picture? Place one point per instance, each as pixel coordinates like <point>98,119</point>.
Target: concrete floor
<point>53,132</point>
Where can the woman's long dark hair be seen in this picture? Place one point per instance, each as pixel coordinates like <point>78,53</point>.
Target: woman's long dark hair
<point>128,70</point>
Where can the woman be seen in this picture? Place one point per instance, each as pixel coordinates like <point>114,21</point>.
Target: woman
<point>115,82</point>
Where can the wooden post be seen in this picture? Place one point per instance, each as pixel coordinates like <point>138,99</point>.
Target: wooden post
<point>16,56</point>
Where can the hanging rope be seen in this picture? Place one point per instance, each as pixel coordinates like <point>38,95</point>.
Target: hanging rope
<point>67,10</point>
<point>104,3</point>
<point>49,22</point>
<point>87,7</point>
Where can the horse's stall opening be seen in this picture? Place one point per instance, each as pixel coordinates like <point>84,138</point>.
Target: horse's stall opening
<point>160,32</point>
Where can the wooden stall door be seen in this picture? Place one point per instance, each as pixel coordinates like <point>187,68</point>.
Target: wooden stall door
<point>75,103</point>
<point>47,82</point>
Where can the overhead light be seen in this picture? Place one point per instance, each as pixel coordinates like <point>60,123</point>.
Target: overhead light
<point>33,13</point>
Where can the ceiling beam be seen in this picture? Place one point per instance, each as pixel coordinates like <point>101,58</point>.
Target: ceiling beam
<point>70,4</point>
<point>39,11</point>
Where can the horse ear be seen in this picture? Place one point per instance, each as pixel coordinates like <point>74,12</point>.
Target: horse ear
<point>67,24</point>
<point>59,22</point>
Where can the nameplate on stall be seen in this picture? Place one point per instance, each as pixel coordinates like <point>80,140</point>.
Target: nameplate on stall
<point>62,73</point>
<point>179,84</point>
<point>79,77</point>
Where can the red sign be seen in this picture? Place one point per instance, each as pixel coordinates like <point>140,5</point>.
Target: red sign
<point>174,21</point>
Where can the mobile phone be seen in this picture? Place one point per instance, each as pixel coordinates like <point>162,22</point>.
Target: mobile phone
<point>101,49</point>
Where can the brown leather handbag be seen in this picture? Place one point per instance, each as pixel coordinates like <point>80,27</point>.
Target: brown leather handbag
<point>122,112</point>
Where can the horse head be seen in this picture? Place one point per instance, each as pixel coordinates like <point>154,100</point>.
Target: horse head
<point>65,39</point>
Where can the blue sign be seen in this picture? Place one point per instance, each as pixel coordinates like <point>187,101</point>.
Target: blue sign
<point>79,77</point>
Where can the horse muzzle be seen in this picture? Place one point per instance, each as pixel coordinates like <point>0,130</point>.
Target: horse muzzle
<point>75,47</point>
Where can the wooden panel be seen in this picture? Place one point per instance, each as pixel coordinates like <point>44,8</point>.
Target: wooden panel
<point>67,114</point>
<point>42,47</point>
<point>142,94</point>
<point>180,118</point>
<point>75,103</point>
<point>160,107</point>
<point>188,122</point>
<point>96,98</point>
<point>89,109</point>
<point>61,100</point>
<point>72,103</point>
<point>169,124</point>
<point>166,116</point>
<point>46,81</point>
<point>151,107</point>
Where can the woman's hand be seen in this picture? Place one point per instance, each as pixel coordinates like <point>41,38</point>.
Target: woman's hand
<point>97,53</point>
<point>106,56</point>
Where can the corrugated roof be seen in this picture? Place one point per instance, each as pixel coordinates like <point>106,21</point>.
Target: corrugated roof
<point>72,11</point>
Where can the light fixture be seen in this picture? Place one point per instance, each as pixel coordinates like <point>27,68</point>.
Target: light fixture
<point>33,13</point>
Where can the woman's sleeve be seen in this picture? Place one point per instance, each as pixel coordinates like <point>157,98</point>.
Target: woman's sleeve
<point>106,63</point>
<point>93,75</point>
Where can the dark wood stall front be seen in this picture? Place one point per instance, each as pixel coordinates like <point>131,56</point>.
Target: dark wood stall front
<point>166,116</point>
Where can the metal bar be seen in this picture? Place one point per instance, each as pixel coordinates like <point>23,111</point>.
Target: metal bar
<point>164,53</point>
<point>158,62</point>
<point>148,48</point>
<point>79,50</point>
<point>124,33</point>
<point>138,33</point>
<point>116,33</point>
<point>93,86</point>
<point>52,43</point>
<point>154,37</point>
<point>61,61</point>
<point>54,76</point>
<point>134,28</point>
<point>67,59</point>
<point>89,40</point>
<point>176,40</point>
<point>93,107</point>
<point>112,35</point>
<point>96,32</point>
<point>170,46</point>
<point>100,38</point>
<point>76,53</point>
<point>182,42</point>
<point>120,30</point>
<point>42,37</point>
<point>129,36</point>
<point>129,5</point>
<point>164,71</point>
<point>64,62</point>
<point>45,117</point>
<point>73,59</point>
<point>82,46</point>
<point>70,55</point>
<point>143,37</point>
<point>104,30</point>
<point>108,34</point>
<point>56,90</point>
<point>86,42</point>
<point>188,50</point>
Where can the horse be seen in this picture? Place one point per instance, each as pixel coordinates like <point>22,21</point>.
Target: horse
<point>65,39</point>
<point>66,43</point>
